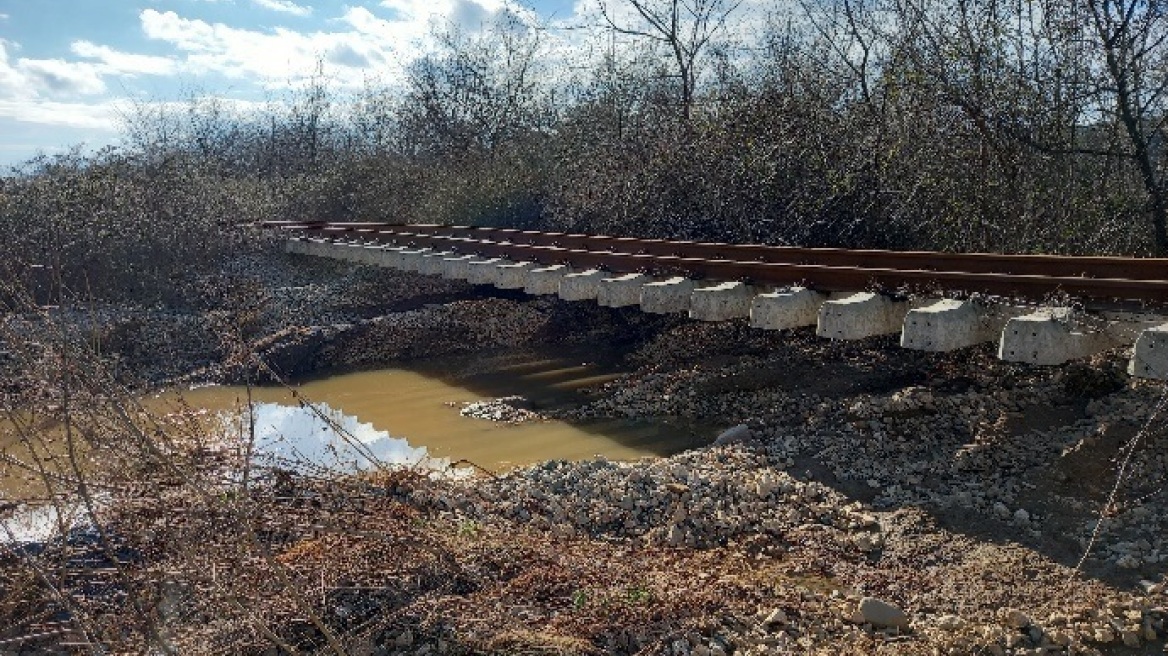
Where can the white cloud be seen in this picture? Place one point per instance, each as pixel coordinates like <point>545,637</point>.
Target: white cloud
<point>57,77</point>
<point>186,34</point>
<point>273,57</point>
<point>88,115</point>
<point>358,44</point>
<point>33,78</point>
<point>285,6</point>
<point>62,80</point>
<point>12,82</point>
<point>123,63</point>
<point>466,14</point>
<point>61,93</point>
<point>363,20</point>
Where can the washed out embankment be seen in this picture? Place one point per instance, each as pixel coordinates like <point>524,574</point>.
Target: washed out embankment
<point>956,488</point>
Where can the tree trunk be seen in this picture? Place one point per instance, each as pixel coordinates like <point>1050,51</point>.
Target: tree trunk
<point>1126,100</point>
<point>1157,204</point>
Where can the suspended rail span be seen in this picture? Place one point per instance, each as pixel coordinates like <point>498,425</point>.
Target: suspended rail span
<point>1100,280</point>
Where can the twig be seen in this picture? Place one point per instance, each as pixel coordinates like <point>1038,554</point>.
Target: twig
<point>1119,478</point>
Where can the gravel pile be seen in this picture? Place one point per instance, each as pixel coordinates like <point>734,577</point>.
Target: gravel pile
<point>697,499</point>
<point>939,500</point>
<point>507,409</point>
<point>963,498</point>
<point>882,576</point>
<point>1015,445</point>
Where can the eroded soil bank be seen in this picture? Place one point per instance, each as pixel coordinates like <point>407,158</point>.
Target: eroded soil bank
<point>879,500</point>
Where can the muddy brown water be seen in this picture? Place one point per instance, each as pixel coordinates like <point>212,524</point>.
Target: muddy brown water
<point>421,406</point>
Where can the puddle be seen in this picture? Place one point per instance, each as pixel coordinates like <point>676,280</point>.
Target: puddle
<point>413,414</point>
<point>390,416</point>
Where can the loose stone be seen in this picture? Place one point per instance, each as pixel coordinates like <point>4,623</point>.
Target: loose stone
<point>950,622</point>
<point>1015,619</point>
<point>880,613</point>
<point>776,617</point>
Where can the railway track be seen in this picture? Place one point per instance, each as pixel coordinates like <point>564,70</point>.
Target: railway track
<point>1099,282</point>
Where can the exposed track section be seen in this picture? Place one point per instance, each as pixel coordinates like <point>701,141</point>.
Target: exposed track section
<point>1098,281</point>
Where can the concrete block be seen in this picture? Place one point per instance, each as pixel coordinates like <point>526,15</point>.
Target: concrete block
<point>482,272</point>
<point>362,252</point>
<point>1150,356</point>
<point>332,249</point>
<point>1049,337</point>
<point>781,310</point>
<point>513,275</point>
<point>352,251</point>
<point>393,257</point>
<point>583,286</point>
<point>860,315</point>
<point>722,302</point>
<point>545,281</point>
<point>320,248</point>
<point>390,257</point>
<point>357,253</point>
<point>312,248</point>
<point>411,258</point>
<point>622,291</point>
<point>432,263</point>
<point>1126,327</point>
<point>370,254</point>
<point>948,325</point>
<point>667,296</point>
<point>458,268</point>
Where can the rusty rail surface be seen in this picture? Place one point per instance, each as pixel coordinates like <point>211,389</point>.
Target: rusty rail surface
<point>1105,280</point>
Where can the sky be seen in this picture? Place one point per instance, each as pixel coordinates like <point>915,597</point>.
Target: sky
<point>70,68</point>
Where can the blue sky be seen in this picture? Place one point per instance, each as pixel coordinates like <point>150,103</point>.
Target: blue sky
<point>69,68</point>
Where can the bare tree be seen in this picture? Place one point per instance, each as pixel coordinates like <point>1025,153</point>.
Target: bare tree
<point>685,27</point>
<point>476,91</point>
<point>1132,36</point>
<point>1072,81</point>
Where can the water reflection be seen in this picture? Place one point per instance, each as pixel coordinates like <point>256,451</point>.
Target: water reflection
<point>321,437</point>
<point>418,413</point>
<point>39,523</point>
<point>300,438</point>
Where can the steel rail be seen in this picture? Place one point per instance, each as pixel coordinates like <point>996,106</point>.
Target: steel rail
<point>881,270</point>
<point>1127,268</point>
